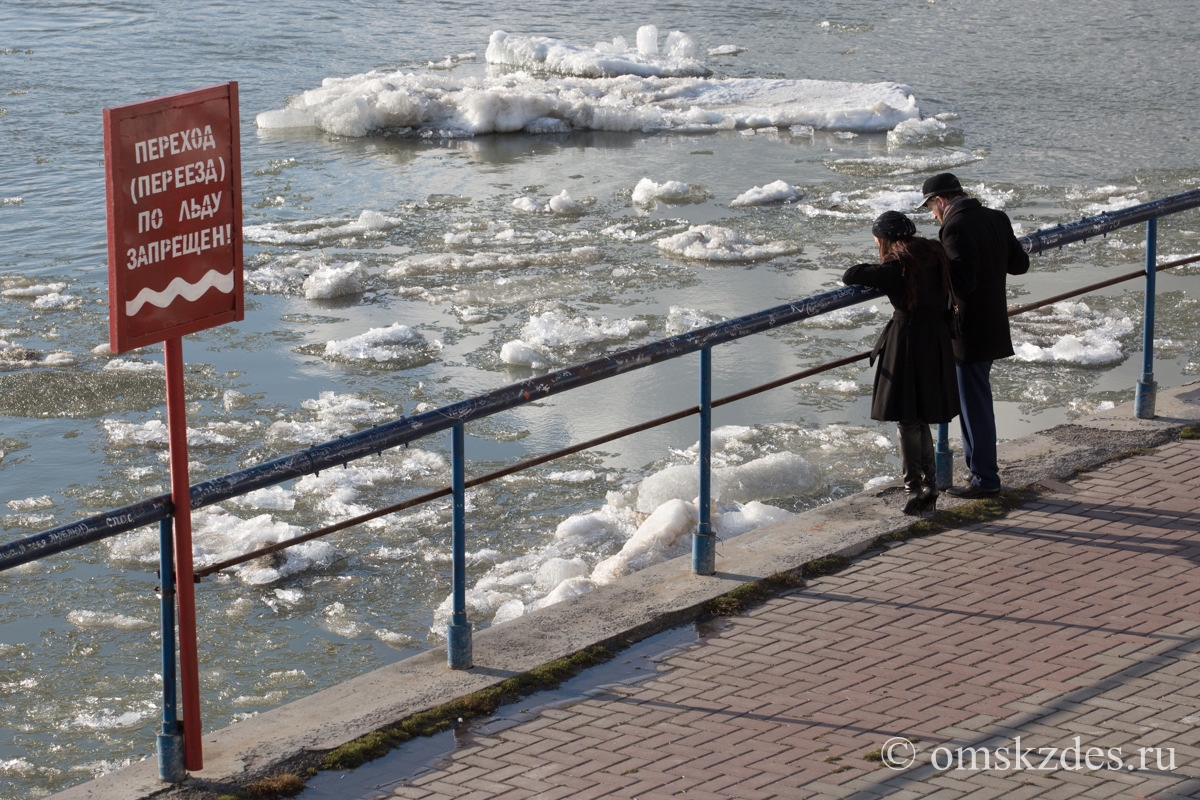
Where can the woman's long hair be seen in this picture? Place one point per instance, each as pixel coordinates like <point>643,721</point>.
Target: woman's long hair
<point>909,252</point>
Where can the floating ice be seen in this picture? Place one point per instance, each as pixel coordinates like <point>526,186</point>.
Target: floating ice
<point>528,205</point>
<point>771,476</point>
<point>932,131</point>
<point>220,535</point>
<point>665,534</point>
<point>33,290</point>
<point>715,243</point>
<point>557,335</point>
<point>881,166</point>
<point>520,353</point>
<point>647,192</point>
<point>776,192</point>
<point>1071,333</point>
<point>56,301</point>
<point>368,224</point>
<point>746,518</point>
<point>335,280</point>
<point>571,587</point>
<point>441,105</point>
<point>60,359</point>
<point>334,415</point>
<point>272,498</point>
<point>133,365</point>
<point>31,503</point>
<point>564,329</point>
<point>561,203</point>
<point>509,609</point>
<point>1114,203</point>
<point>778,475</point>
<point>96,619</point>
<point>339,620</point>
<point>556,570</point>
<point>485,261</point>
<point>396,343</point>
<point>682,320</point>
<point>539,53</point>
<point>155,432</point>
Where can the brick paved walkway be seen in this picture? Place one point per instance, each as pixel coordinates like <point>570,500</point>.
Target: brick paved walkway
<point>1075,616</point>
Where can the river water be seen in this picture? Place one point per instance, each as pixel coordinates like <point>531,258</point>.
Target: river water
<point>422,225</point>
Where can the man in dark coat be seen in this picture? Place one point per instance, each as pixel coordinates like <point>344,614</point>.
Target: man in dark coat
<point>982,251</point>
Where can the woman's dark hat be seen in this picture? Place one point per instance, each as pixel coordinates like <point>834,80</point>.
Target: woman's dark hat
<point>893,225</point>
<point>942,183</point>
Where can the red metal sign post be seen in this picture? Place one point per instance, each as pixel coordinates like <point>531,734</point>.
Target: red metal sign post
<point>173,175</point>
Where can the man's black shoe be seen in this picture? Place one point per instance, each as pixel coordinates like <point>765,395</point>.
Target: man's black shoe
<point>972,491</point>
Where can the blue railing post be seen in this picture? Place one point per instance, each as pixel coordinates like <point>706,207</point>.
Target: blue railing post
<point>704,543</point>
<point>458,632</point>
<point>1147,389</point>
<point>943,457</point>
<point>170,738</point>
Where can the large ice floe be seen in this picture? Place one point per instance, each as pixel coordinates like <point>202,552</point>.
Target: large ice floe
<point>553,86</point>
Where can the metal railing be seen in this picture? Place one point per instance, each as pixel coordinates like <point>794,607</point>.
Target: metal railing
<point>375,440</point>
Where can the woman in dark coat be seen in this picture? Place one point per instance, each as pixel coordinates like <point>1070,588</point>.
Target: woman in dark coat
<point>915,383</point>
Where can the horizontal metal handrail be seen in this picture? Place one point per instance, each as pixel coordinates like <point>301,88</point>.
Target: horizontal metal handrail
<point>1106,221</point>
<point>375,440</point>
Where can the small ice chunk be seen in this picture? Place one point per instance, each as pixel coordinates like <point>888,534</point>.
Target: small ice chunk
<point>337,280</point>
<point>775,192</point>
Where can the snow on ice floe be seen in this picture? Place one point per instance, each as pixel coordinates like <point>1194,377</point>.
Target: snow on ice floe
<point>775,192</point>
<point>396,345</point>
<point>539,99</point>
<point>774,475</point>
<point>369,224</point>
<point>155,433</point>
<point>555,336</point>
<point>1071,333</point>
<point>677,57</point>
<point>716,243</point>
<point>561,203</point>
<point>489,261</point>
<point>649,193</point>
<point>329,416</point>
<point>32,291</point>
<point>906,164</point>
<point>335,280</point>
<point>315,276</point>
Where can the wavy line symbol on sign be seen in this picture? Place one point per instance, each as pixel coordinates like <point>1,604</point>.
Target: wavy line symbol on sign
<point>180,288</point>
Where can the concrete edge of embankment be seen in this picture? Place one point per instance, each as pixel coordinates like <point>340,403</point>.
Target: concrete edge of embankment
<point>623,612</point>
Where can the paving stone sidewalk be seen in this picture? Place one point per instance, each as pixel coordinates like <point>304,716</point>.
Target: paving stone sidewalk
<point>1074,620</point>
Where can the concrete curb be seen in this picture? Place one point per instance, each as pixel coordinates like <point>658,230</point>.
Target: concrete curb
<point>627,610</point>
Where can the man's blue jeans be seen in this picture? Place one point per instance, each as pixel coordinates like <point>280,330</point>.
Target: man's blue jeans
<point>977,419</point>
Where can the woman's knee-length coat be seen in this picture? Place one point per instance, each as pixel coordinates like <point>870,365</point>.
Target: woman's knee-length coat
<point>915,380</point>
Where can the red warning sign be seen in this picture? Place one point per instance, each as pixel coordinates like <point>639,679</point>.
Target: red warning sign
<point>173,175</point>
